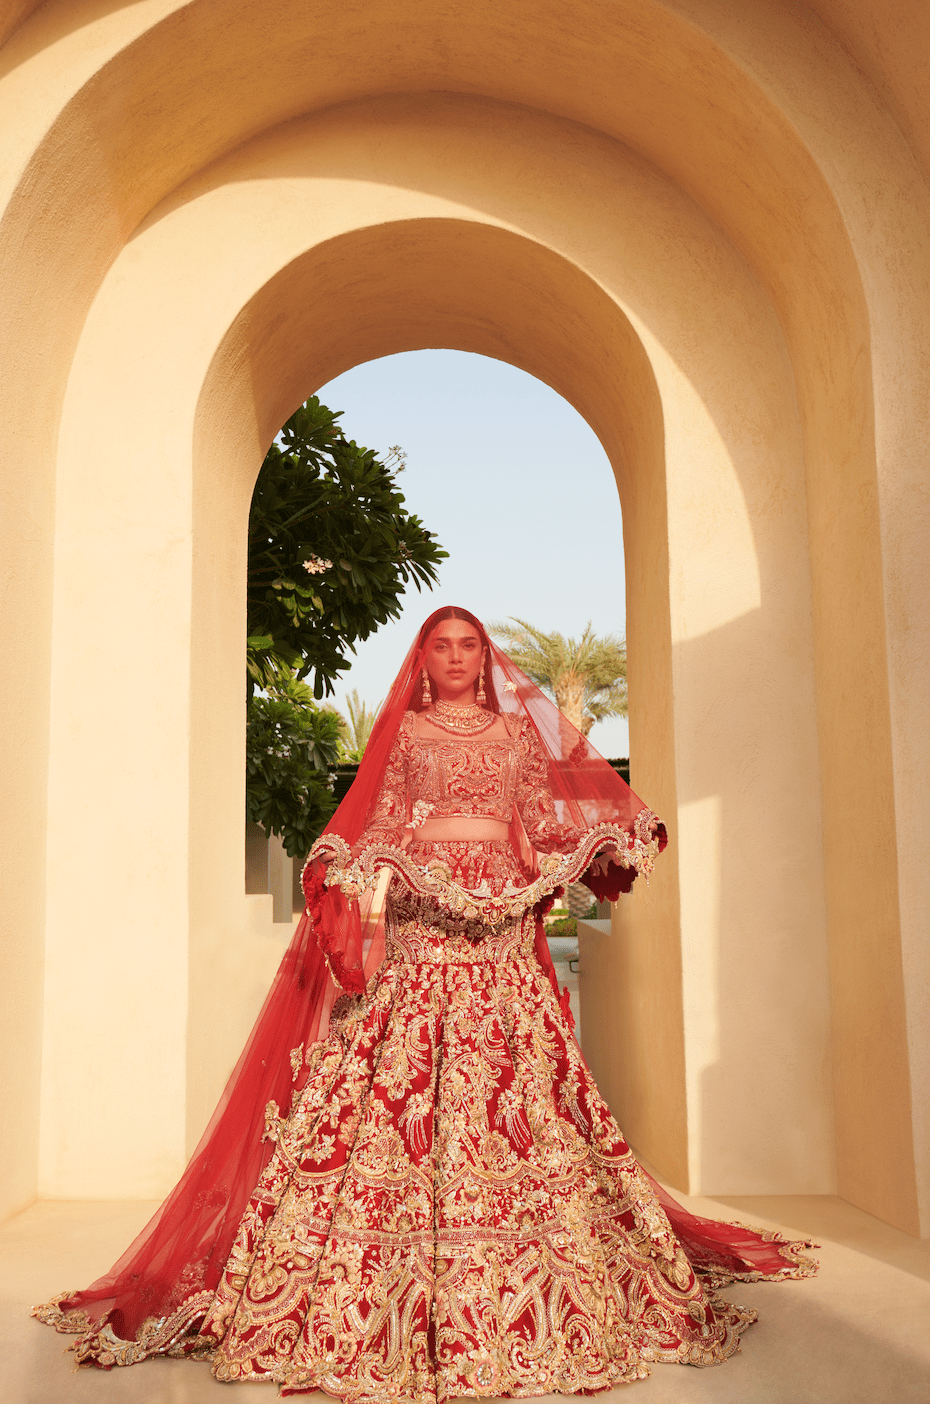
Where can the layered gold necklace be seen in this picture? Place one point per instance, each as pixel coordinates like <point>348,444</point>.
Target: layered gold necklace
<point>461,721</point>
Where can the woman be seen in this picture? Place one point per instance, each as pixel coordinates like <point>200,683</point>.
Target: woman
<point>441,1205</point>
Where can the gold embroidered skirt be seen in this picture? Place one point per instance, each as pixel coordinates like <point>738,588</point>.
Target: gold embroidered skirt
<point>450,1209</point>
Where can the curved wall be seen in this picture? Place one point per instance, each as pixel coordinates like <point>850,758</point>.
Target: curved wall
<point>657,210</point>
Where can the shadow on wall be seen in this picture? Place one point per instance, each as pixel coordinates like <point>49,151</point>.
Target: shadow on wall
<point>766,986</point>
<point>751,984</point>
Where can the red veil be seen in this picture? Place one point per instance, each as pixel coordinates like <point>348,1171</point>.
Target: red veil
<point>170,1272</point>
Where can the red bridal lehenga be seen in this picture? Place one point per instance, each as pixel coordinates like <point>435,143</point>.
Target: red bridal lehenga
<point>412,1189</point>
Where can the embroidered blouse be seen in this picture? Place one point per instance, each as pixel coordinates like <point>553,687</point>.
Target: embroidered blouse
<point>455,776</point>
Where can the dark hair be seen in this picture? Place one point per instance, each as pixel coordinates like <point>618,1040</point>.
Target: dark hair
<point>456,612</point>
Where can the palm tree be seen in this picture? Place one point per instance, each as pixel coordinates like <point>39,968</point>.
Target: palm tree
<point>361,720</point>
<point>586,678</point>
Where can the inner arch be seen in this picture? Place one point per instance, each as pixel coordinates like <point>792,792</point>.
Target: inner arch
<point>401,287</point>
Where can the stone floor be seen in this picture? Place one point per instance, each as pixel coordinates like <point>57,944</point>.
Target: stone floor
<point>857,1334</point>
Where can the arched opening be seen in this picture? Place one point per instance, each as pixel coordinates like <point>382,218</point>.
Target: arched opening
<point>517,489</point>
<point>515,485</point>
<point>468,286</point>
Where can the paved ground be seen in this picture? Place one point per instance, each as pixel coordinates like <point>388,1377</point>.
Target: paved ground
<point>857,1334</point>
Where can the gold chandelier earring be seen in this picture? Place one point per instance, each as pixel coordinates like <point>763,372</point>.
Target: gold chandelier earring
<point>427,695</point>
<point>480,695</point>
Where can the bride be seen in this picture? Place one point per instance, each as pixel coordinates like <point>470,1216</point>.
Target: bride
<point>412,1189</point>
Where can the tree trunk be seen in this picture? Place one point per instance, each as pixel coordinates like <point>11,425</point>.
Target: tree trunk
<point>569,698</point>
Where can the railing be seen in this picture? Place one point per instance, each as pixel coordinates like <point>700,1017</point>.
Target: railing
<point>268,869</point>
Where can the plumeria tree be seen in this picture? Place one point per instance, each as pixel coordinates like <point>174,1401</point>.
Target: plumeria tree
<point>292,743</point>
<point>332,548</point>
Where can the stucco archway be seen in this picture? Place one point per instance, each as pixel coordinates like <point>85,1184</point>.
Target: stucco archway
<point>366,287</point>
<point>735,258</point>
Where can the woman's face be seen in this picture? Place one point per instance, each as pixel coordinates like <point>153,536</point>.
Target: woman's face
<point>453,660</point>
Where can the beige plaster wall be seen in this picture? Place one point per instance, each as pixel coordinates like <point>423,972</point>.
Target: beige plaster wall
<point>867,490</point>
<point>55,237</point>
<point>749,269</point>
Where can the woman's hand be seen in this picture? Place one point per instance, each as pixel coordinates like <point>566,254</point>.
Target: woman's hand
<point>603,859</point>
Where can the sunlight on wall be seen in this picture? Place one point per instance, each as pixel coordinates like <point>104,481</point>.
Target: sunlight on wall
<point>699,832</point>
<point>715,573</point>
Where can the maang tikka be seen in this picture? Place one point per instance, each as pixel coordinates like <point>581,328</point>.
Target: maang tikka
<point>427,695</point>
<point>479,695</point>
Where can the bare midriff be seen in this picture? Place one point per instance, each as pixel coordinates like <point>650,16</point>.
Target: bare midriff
<point>475,828</point>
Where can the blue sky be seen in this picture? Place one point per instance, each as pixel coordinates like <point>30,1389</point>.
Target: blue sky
<point>515,485</point>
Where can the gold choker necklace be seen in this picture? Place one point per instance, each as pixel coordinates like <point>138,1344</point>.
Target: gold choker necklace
<point>463,721</point>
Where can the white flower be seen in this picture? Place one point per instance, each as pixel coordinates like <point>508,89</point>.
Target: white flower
<point>316,565</point>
